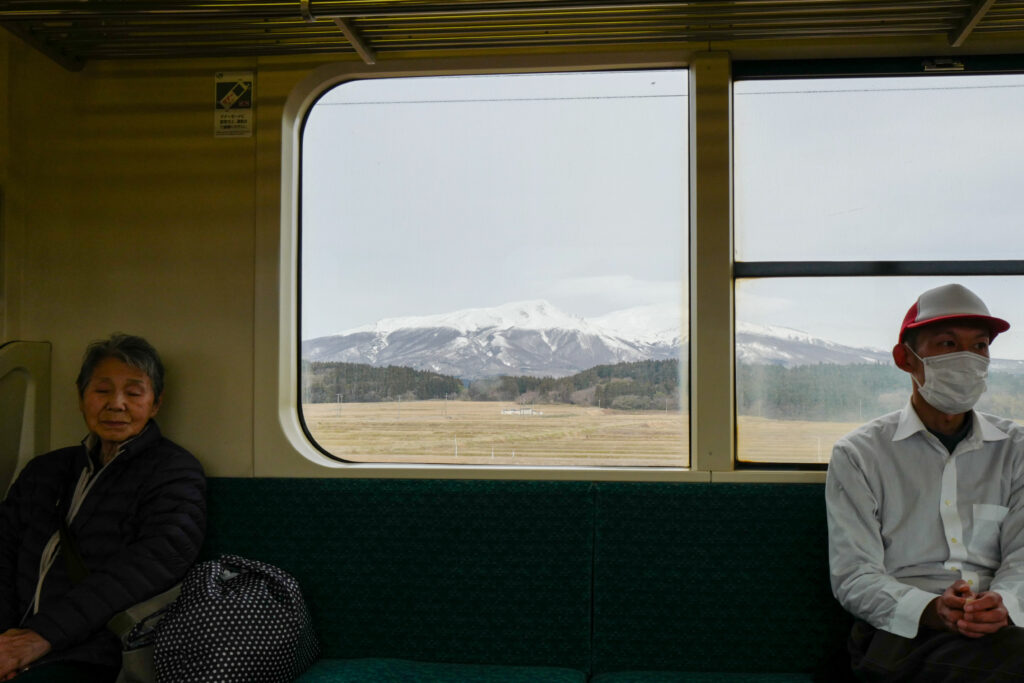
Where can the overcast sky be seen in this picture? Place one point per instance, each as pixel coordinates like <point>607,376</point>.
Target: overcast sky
<point>427,195</point>
<point>879,169</point>
<point>430,195</point>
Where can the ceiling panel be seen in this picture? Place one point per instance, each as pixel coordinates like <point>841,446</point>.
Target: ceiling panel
<point>78,31</point>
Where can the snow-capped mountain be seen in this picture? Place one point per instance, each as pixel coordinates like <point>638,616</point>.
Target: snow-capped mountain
<point>773,345</point>
<point>654,324</point>
<point>536,338</point>
<point>522,338</point>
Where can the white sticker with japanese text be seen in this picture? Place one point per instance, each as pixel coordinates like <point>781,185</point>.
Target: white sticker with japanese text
<point>233,104</point>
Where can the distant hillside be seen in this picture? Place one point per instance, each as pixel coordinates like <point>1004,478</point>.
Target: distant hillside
<point>629,386</point>
<point>360,383</point>
<point>639,385</point>
<point>825,391</point>
<point>851,393</point>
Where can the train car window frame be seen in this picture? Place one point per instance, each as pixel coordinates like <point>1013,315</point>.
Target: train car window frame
<point>287,430</point>
<point>409,169</point>
<point>753,271</point>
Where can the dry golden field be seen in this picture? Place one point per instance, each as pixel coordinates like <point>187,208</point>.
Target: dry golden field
<point>431,431</point>
<point>760,439</point>
<point>476,432</point>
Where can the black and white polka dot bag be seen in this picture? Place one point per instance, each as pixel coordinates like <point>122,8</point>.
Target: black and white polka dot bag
<point>237,620</point>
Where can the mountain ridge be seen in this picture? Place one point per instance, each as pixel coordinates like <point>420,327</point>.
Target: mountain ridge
<point>536,338</point>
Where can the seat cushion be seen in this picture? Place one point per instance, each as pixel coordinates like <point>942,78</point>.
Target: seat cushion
<point>404,671</point>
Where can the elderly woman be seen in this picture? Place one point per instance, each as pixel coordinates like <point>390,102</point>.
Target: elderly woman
<point>135,505</point>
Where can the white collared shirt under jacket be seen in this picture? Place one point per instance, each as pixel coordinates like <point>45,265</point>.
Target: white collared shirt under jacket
<point>906,518</point>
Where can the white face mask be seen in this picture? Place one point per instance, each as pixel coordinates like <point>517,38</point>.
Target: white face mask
<point>953,382</point>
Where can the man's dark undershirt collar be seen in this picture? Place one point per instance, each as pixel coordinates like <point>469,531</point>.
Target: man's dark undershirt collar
<point>950,441</point>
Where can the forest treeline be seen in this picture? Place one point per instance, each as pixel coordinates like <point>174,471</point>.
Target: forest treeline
<point>641,385</point>
<point>826,392</point>
<point>625,386</point>
<point>849,393</point>
<point>360,383</point>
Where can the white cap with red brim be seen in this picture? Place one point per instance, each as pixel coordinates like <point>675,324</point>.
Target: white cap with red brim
<point>951,302</point>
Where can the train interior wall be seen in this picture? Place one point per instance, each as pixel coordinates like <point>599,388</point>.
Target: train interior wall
<point>123,212</point>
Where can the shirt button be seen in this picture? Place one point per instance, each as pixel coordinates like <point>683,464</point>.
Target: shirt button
<point>970,583</point>
<point>948,503</point>
<point>953,539</point>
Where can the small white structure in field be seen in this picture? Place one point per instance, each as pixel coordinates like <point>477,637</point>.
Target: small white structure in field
<point>521,411</point>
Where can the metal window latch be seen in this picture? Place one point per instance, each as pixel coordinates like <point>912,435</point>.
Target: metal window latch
<point>943,64</point>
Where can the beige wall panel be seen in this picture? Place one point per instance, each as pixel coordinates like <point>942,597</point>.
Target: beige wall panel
<point>137,219</point>
<point>273,455</point>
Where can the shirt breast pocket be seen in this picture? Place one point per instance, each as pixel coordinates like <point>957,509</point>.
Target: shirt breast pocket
<point>988,519</point>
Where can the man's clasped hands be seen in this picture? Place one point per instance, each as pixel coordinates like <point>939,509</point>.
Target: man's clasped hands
<point>960,610</point>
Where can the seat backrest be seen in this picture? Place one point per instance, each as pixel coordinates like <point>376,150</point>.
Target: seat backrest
<point>486,572</point>
<point>713,577</point>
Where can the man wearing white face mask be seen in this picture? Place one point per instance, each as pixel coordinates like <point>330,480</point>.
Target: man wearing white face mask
<point>926,512</point>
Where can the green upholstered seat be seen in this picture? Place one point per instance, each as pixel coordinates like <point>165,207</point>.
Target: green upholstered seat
<point>401,671</point>
<point>412,580</point>
<point>713,578</point>
<point>475,572</point>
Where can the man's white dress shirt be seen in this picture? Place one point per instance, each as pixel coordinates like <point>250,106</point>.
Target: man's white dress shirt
<point>906,518</point>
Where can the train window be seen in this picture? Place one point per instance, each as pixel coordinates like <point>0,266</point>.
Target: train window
<point>853,196</point>
<point>493,269</point>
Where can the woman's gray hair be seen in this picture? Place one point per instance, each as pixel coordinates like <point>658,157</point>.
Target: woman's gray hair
<point>133,351</point>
